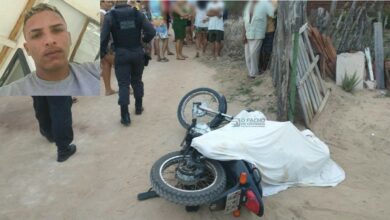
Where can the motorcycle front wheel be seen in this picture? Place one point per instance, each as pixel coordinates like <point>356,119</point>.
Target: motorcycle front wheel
<point>208,98</point>
<point>164,181</point>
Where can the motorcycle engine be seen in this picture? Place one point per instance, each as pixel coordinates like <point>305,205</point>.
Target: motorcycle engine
<point>190,173</point>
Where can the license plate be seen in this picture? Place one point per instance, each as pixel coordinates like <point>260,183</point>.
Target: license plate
<point>232,201</point>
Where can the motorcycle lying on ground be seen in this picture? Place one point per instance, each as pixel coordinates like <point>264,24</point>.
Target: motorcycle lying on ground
<point>188,178</point>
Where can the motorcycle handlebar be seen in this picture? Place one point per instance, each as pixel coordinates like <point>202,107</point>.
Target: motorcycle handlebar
<point>215,113</point>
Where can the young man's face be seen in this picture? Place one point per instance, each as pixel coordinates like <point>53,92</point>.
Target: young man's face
<point>106,5</point>
<point>47,40</point>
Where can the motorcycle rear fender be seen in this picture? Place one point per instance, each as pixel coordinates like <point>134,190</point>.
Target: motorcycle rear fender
<point>233,170</point>
<point>220,202</point>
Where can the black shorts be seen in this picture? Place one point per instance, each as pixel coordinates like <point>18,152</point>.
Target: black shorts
<point>215,35</point>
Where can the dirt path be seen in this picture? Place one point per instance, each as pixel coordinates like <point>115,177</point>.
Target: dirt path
<point>112,163</point>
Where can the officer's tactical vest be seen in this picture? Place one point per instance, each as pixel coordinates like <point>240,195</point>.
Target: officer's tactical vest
<point>126,30</point>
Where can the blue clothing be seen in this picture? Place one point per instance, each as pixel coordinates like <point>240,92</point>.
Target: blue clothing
<point>155,8</point>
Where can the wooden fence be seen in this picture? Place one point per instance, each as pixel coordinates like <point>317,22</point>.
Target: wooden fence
<point>311,90</point>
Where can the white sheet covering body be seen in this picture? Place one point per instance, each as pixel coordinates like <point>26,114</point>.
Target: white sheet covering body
<point>284,155</point>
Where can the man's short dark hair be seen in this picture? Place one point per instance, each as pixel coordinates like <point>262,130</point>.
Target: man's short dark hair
<point>40,8</point>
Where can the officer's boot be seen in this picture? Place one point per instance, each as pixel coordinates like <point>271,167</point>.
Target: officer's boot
<point>65,152</point>
<point>125,115</point>
<point>138,106</point>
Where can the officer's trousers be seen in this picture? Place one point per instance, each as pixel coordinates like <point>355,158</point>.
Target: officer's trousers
<point>54,116</point>
<point>129,66</point>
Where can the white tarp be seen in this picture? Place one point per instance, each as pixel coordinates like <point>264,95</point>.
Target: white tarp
<point>284,155</point>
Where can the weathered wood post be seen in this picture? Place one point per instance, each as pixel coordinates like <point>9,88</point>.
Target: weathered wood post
<point>291,15</point>
<point>379,56</point>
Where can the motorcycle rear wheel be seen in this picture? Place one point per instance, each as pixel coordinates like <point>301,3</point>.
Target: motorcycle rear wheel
<point>209,98</point>
<point>186,195</point>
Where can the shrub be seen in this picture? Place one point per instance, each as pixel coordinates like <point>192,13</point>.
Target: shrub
<point>350,82</point>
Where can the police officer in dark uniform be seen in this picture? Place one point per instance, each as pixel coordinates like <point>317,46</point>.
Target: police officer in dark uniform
<point>128,27</point>
<point>54,116</point>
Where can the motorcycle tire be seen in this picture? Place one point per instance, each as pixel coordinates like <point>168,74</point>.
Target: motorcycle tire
<point>185,196</point>
<point>190,97</point>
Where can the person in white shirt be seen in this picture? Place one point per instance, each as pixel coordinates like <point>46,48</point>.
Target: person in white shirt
<point>201,26</point>
<point>215,10</point>
<point>255,26</point>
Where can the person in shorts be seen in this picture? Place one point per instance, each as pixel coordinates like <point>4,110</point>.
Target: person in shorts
<point>161,36</point>
<point>215,10</point>
<point>180,16</point>
<point>191,4</point>
<point>201,27</point>
<point>159,23</point>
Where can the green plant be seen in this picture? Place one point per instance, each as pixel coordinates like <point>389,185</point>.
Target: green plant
<point>350,82</point>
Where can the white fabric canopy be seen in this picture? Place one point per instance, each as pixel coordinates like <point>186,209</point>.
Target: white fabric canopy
<point>284,155</point>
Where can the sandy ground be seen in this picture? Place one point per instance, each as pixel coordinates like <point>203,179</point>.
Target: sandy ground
<point>112,163</point>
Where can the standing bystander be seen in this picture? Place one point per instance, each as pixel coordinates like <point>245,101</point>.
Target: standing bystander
<point>215,10</point>
<point>255,23</point>
<point>108,61</point>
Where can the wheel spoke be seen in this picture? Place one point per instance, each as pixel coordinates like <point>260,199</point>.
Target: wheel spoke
<point>206,98</point>
<point>169,175</point>
<point>169,171</point>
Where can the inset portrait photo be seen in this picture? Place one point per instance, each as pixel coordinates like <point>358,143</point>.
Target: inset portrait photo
<point>50,49</point>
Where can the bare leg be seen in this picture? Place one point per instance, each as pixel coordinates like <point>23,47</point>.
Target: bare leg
<point>181,43</point>
<point>214,49</point>
<point>220,48</point>
<point>190,34</point>
<point>153,45</point>
<point>106,64</point>
<point>157,48</point>
<point>178,54</point>
<point>204,41</point>
<point>164,47</point>
<point>198,43</point>
<point>181,50</point>
<point>188,37</point>
<point>217,48</point>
